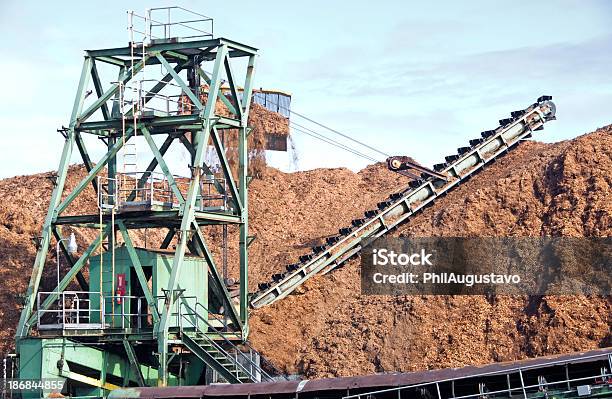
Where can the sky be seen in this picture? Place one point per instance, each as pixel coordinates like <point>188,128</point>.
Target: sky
<point>405,77</point>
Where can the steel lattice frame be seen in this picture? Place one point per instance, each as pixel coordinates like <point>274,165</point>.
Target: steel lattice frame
<point>184,222</point>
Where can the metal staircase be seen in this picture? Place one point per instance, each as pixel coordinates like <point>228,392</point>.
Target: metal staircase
<point>217,351</point>
<point>400,206</point>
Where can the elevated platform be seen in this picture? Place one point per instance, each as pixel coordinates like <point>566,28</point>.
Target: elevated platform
<point>149,218</point>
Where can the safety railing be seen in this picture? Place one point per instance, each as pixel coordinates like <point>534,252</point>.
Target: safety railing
<point>210,198</point>
<point>178,22</point>
<point>126,318</point>
<point>135,189</point>
<point>75,310</point>
<point>140,100</point>
<point>71,310</point>
<point>145,187</point>
<point>239,359</point>
<point>107,193</point>
<point>223,321</point>
<point>163,23</point>
<point>542,388</point>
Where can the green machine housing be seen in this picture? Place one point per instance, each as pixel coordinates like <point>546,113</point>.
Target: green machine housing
<point>123,302</point>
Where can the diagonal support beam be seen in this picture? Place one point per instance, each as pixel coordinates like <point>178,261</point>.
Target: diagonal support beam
<point>232,84</point>
<point>79,264</point>
<point>79,100</point>
<point>41,254</point>
<point>98,87</point>
<point>94,172</point>
<point>124,78</point>
<point>226,170</point>
<point>152,165</point>
<point>85,157</point>
<point>162,164</point>
<point>80,278</point>
<point>149,95</point>
<point>168,239</point>
<point>205,168</point>
<point>199,240</point>
<point>139,270</point>
<point>195,100</point>
<point>222,96</point>
<point>134,362</point>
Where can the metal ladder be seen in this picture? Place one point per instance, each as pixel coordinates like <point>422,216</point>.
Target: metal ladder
<point>400,206</point>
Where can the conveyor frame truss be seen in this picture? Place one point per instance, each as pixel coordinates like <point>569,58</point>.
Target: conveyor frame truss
<point>401,206</point>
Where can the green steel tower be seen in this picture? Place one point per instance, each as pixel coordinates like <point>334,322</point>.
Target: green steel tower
<point>152,315</point>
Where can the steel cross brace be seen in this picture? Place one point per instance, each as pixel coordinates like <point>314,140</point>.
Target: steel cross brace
<point>124,78</point>
<point>205,167</point>
<point>194,99</point>
<point>93,173</point>
<point>85,156</point>
<point>80,278</point>
<point>129,350</point>
<point>203,250</point>
<point>222,96</point>
<point>162,164</point>
<point>78,266</point>
<point>232,85</point>
<point>139,270</point>
<point>152,165</point>
<point>187,212</point>
<point>226,170</point>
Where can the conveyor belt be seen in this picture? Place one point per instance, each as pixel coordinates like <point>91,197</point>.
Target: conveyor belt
<point>400,206</point>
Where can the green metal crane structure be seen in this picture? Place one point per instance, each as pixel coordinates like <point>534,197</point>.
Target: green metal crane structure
<point>130,316</point>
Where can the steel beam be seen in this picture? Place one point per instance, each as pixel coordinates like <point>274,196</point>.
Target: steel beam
<point>139,270</point>
<point>205,167</point>
<point>240,50</point>
<point>98,87</point>
<point>94,172</point>
<point>152,165</point>
<point>85,157</point>
<point>134,362</point>
<point>41,254</point>
<point>227,172</point>
<point>80,278</point>
<point>127,75</point>
<point>222,96</point>
<point>194,99</point>
<point>243,165</point>
<point>78,265</point>
<point>162,164</point>
<point>200,241</point>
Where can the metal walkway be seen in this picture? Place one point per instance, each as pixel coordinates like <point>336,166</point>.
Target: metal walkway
<point>400,206</point>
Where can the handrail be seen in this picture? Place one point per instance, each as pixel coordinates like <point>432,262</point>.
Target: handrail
<point>82,312</point>
<point>518,369</point>
<point>234,359</point>
<point>245,343</point>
